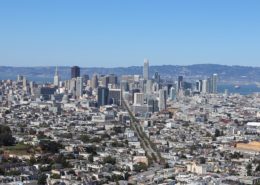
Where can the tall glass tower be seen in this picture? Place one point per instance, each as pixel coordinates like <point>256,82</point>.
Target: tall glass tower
<point>75,72</point>
<point>214,83</point>
<point>146,69</point>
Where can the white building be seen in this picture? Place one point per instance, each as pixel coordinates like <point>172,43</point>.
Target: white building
<point>214,83</point>
<point>204,86</point>
<point>138,98</point>
<point>56,78</point>
<point>162,99</point>
<point>196,168</point>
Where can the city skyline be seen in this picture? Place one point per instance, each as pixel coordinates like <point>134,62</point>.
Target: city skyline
<point>122,34</point>
<point>129,92</point>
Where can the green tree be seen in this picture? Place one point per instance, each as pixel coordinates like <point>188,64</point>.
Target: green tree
<point>140,167</point>
<point>42,179</point>
<point>13,173</point>
<point>109,159</point>
<point>84,138</point>
<point>55,176</point>
<point>61,159</point>
<point>202,160</point>
<point>116,178</point>
<point>2,171</point>
<point>257,169</point>
<point>91,149</point>
<point>6,138</point>
<point>32,160</point>
<point>90,158</point>
<point>249,169</point>
<point>95,140</point>
<point>217,133</point>
<point>50,146</point>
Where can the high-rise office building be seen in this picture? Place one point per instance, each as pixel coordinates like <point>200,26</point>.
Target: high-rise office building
<point>138,98</point>
<point>148,87</point>
<point>180,83</point>
<point>24,84</point>
<point>198,85</point>
<point>153,103</point>
<point>162,99</point>
<point>204,86</point>
<point>209,85</point>
<point>112,79</point>
<point>104,80</point>
<point>186,86</point>
<point>146,69</point>
<point>19,78</point>
<point>142,85</point>
<point>32,87</point>
<point>114,96</point>
<point>72,83</point>
<point>133,91</point>
<point>56,79</point>
<point>173,93</point>
<point>124,85</point>
<point>214,83</point>
<point>155,87</point>
<point>201,83</point>
<point>75,72</point>
<point>79,87</point>
<point>168,88</point>
<point>157,77</point>
<point>85,78</point>
<point>103,93</point>
<point>94,81</point>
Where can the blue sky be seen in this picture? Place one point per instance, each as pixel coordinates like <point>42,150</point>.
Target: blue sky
<point>112,33</point>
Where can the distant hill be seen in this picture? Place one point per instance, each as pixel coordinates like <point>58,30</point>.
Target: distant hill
<point>227,74</point>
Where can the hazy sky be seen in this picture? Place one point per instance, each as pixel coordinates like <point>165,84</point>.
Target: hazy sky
<point>122,33</point>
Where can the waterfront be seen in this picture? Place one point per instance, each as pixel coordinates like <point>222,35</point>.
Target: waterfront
<point>243,89</point>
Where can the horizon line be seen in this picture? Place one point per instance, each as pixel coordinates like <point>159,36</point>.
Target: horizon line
<point>132,66</point>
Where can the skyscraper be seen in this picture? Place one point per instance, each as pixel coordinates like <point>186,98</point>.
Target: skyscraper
<point>148,87</point>
<point>94,81</point>
<point>19,78</point>
<point>103,93</point>
<point>209,85</point>
<point>85,78</point>
<point>112,79</point>
<point>146,69</point>
<point>133,91</point>
<point>56,78</point>
<point>201,83</point>
<point>214,83</point>
<point>24,84</point>
<point>157,77</point>
<point>138,98</point>
<point>124,85</point>
<point>79,87</point>
<point>204,86</point>
<point>104,80</point>
<point>173,93</point>
<point>162,99</point>
<point>75,72</point>
<point>114,96</point>
<point>180,83</point>
<point>198,86</point>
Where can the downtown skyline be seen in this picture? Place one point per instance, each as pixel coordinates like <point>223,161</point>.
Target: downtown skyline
<point>129,92</point>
